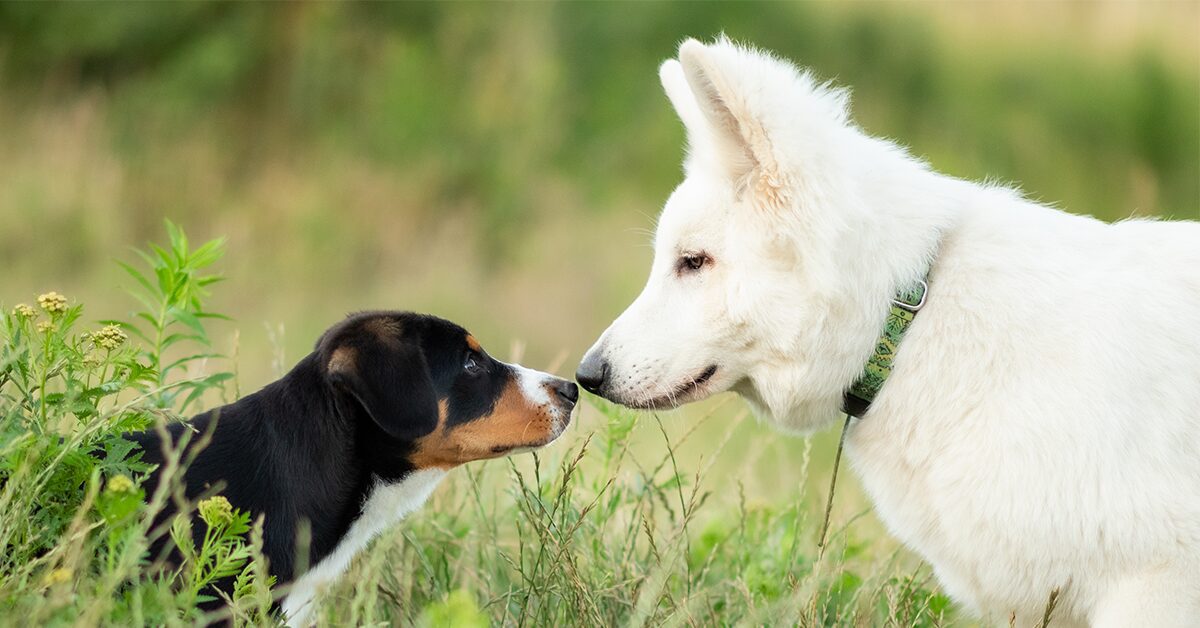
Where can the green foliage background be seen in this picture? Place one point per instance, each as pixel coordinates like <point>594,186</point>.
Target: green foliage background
<point>500,164</point>
<point>470,157</point>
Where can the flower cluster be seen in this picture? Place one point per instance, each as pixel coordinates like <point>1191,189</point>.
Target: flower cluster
<point>110,337</point>
<point>45,327</point>
<point>24,311</point>
<point>53,302</point>
<point>120,484</point>
<point>57,576</point>
<point>216,510</point>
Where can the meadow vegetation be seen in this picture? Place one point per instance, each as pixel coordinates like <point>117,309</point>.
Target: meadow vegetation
<point>498,165</point>
<point>586,533</point>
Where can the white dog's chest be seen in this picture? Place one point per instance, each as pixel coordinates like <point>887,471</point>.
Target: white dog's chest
<point>971,521</point>
<point>1005,523</point>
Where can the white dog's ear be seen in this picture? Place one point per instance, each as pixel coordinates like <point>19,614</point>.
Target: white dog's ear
<point>739,136</point>
<point>670,73</point>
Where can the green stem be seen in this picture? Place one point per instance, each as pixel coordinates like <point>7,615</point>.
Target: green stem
<point>197,579</point>
<point>45,375</point>
<point>112,545</point>
<point>159,327</point>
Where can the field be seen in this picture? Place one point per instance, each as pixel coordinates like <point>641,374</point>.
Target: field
<point>501,166</point>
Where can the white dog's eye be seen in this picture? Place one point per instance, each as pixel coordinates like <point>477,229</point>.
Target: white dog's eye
<point>692,262</point>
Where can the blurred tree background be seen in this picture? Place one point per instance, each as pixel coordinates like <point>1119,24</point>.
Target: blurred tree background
<point>500,163</point>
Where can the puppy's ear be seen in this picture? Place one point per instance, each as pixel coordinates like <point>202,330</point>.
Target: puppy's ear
<point>390,382</point>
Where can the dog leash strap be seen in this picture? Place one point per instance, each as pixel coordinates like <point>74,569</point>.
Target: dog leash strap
<point>904,309</point>
<point>837,463</point>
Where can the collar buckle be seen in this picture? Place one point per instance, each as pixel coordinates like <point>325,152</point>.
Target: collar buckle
<point>913,299</point>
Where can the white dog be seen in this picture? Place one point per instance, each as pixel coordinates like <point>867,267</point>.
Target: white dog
<point>1041,426</point>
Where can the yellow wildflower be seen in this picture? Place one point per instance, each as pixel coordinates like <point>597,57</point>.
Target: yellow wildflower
<point>23,310</point>
<point>57,576</point>
<point>216,510</point>
<point>110,337</point>
<point>53,302</point>
<point>119,484</point>
<point>45,327</point>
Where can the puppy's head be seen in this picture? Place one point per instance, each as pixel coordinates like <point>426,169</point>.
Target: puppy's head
<point>423,389</point>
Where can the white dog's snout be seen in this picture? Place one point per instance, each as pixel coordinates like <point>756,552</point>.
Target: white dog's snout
<point>593,370</point>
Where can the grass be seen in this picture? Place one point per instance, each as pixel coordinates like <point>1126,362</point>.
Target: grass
<point>591,531</point>
<point>602,538</point>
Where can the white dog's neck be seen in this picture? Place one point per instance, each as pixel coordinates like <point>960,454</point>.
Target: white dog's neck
<point>889,242</point>
<point>385,505</point>
<point>904,210</point>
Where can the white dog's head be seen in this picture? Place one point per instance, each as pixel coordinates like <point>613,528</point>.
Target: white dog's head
<point>749,290</point>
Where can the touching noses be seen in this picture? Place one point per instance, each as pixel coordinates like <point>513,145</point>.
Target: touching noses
<point>592,372</point>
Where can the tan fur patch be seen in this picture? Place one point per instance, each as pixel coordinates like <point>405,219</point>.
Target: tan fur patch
<point>514,422</point>
<point>386,329</point>
<point>473,343</point>
<point>342,360</point>
<point>773,189</point>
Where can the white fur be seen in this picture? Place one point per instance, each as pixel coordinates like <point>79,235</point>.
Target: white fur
<point>1041,428</point>
<point>534,384</point>
<point>386,505</point>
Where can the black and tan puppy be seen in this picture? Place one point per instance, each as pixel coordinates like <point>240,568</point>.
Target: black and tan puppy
<point>360,432</point>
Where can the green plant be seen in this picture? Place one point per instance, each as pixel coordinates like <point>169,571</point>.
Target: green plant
<point>174,312</point>
<point>74,524</point>
<point>220,555</point>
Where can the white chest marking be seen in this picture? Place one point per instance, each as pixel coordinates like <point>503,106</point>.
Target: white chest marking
<point>385,505</point>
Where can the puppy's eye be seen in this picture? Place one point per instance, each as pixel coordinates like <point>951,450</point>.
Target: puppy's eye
<point>692,262</point>
<point>473,363</point>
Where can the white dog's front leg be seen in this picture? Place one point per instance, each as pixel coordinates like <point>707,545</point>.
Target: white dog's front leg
<point>1167,598</point>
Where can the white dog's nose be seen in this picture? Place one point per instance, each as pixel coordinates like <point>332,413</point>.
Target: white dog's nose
<point>592,372</point>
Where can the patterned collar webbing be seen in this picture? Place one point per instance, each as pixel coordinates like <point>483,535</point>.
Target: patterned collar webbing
<point>904,309</point>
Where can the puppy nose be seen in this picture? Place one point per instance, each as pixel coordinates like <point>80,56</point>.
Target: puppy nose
<point>567,390</point>
<point>591,373</point>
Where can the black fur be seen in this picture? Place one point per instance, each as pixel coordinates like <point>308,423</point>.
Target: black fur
<point>308,446</point>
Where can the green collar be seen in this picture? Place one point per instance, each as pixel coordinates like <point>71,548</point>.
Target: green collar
<point>904,309</point>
